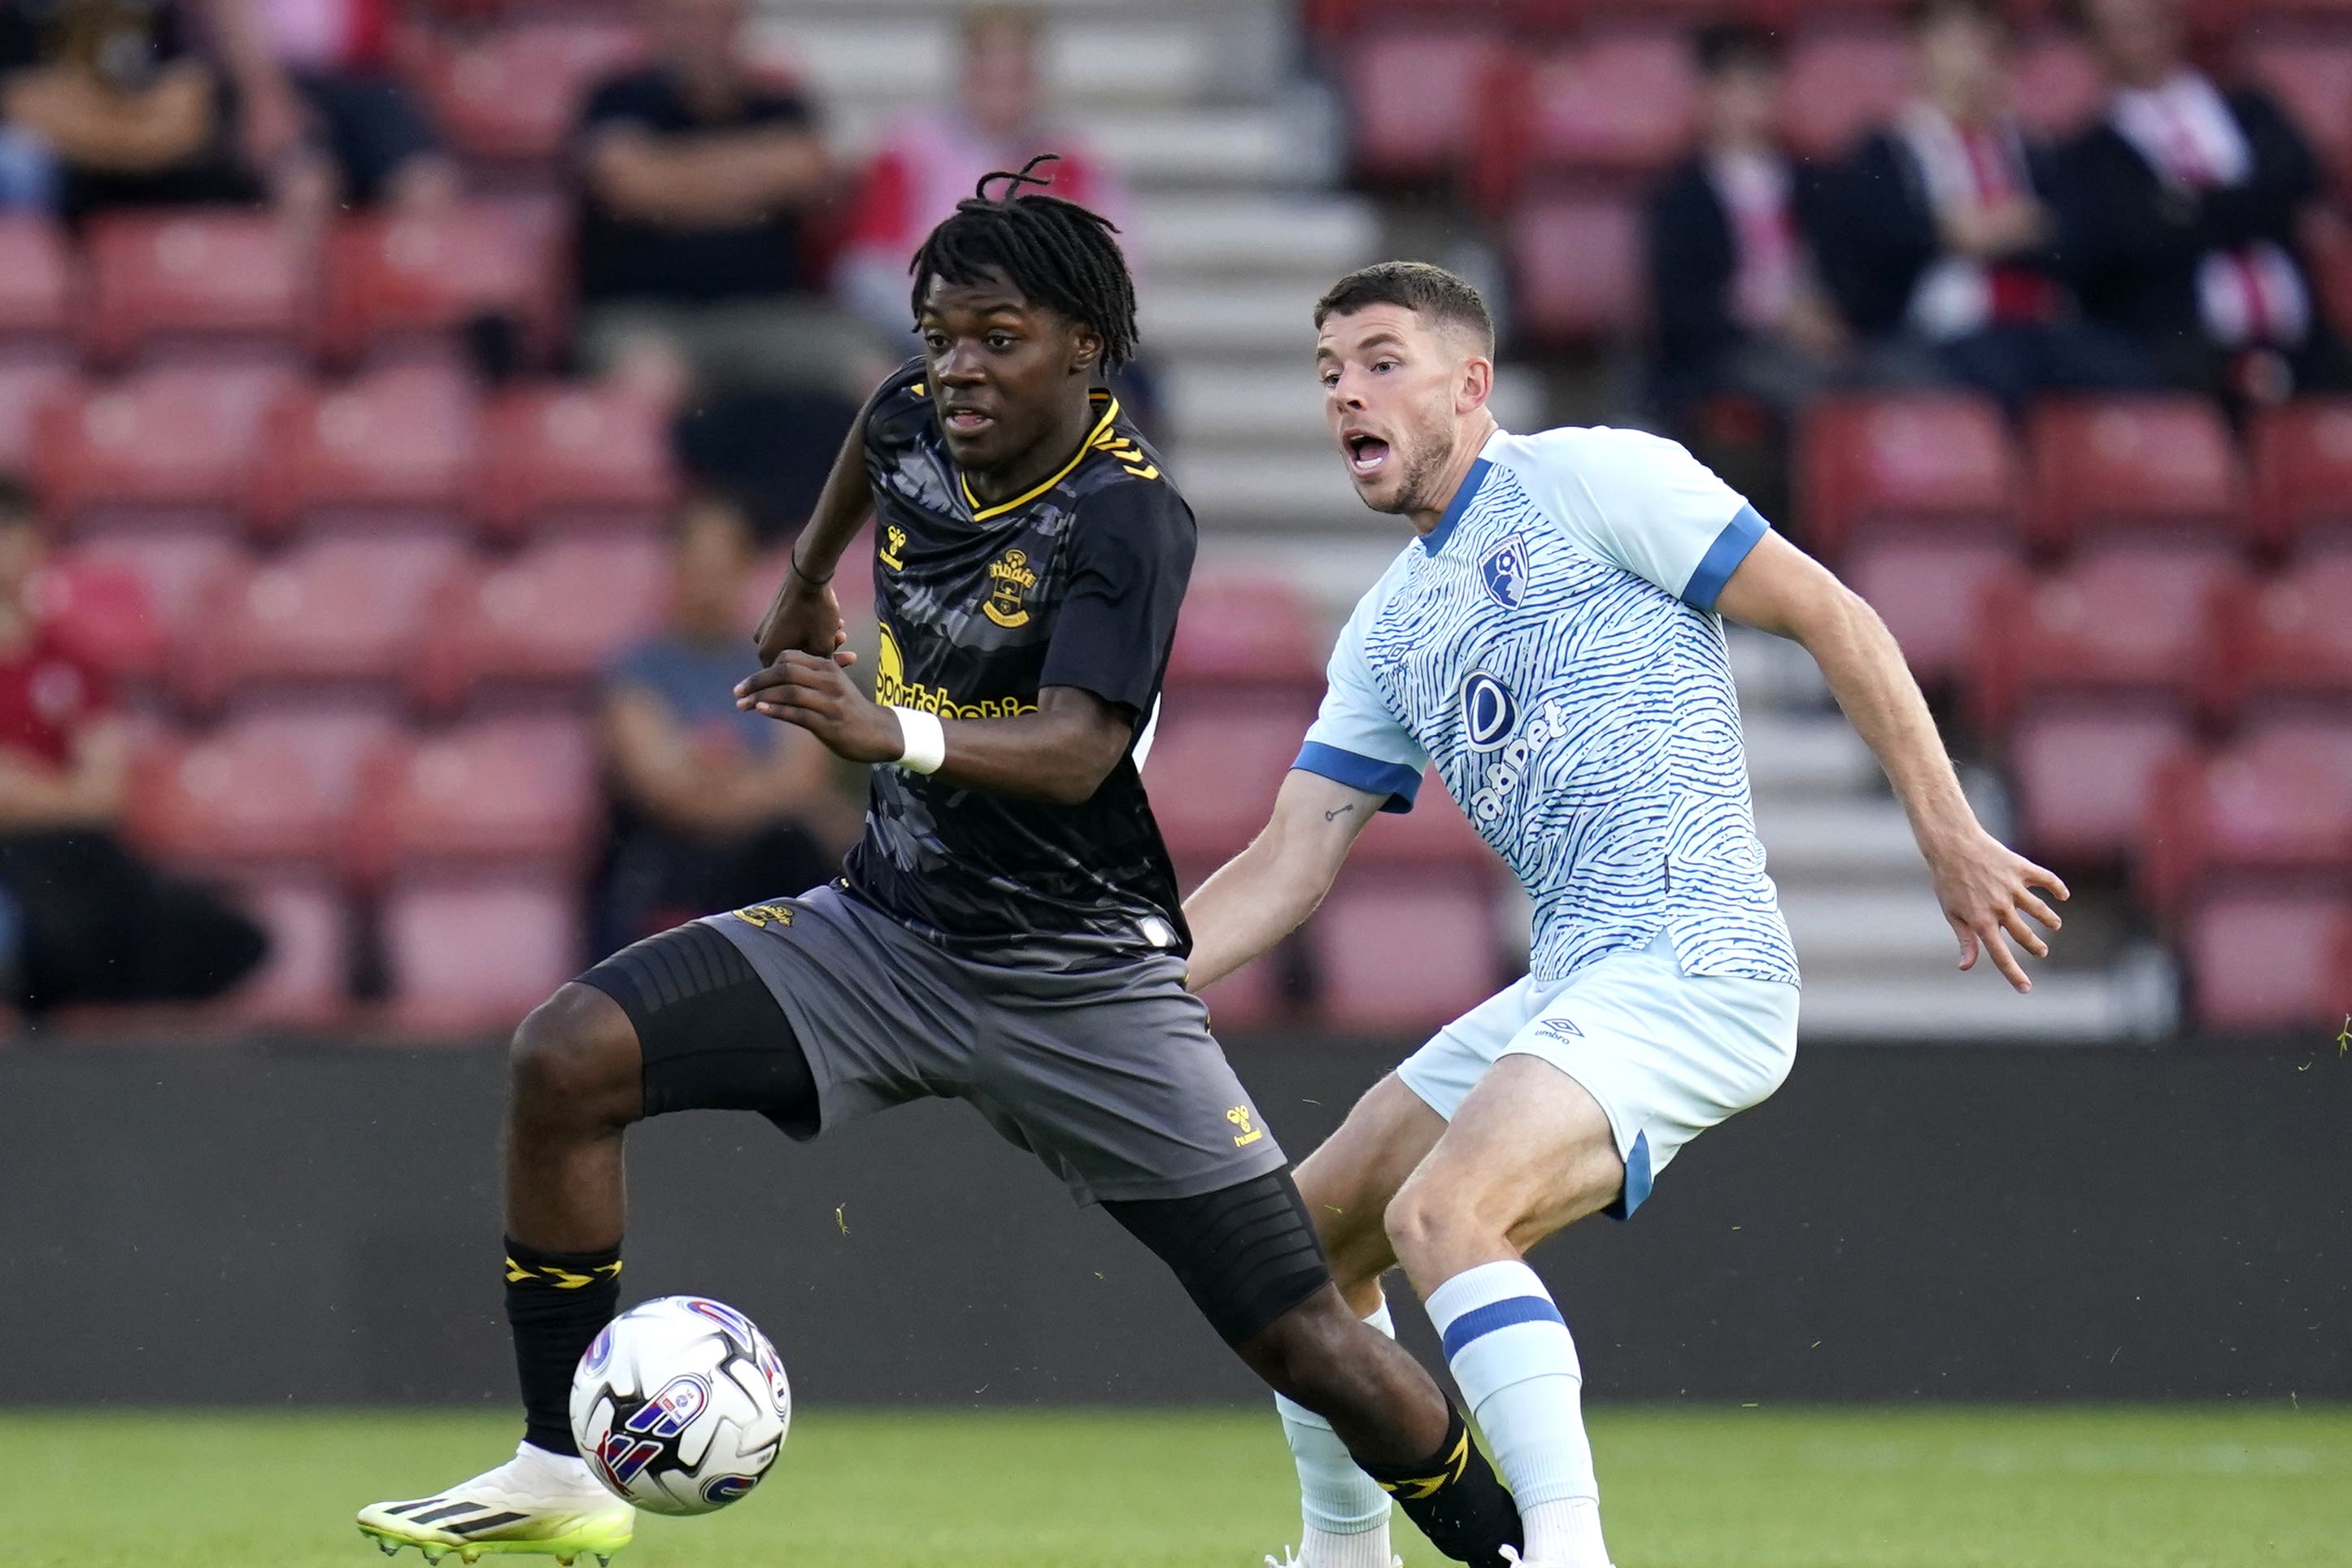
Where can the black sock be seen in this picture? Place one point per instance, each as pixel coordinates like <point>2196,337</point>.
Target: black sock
<point>1456,1497</point>
<point>556,1302</point>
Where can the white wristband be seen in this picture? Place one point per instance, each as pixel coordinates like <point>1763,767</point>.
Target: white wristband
<point>926,747</point>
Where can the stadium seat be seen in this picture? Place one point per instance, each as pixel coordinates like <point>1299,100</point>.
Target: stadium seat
<point>1255,631</point>
<point>2266,961</point>
<point>2131,624</point>
<point>175,571</point>
<point>512,94</point>
<point>2312,76</point>
<point>101,612</point>
<point>222,279</point>
<point>517,792</point>
<point>2083,776</point>
<point>1214,769</point>
<point>339,610</point>
<point>166,442</point>
<point>1433,833</point>
<point>561,456</point>
<point>401,278</point>
<point>1577,261</point>
<point>2154,467</point>
<point>2287,645</point>
<point>470,956</point>
<point>25,387</point>
<point>305,982</point>
<point>2301,480</point>
<point>1939,463</point>
<point>2266,810</point>
<point>2056,87</point>
<point>1414,96</point>
<point>37,283</point>
<point>1928,592</point>
<point>1399,953</point>
<point>557,614</point>
<point>1617,107</point>
<point>1840,83</point>
<point>397,443</point>
<point>258,793</point>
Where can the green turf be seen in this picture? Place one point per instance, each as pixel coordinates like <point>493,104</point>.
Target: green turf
<point>1824,1487</point>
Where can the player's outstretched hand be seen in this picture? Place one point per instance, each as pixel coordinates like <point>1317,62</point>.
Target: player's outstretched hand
<point>1986,891</point>
<point>818,695</point>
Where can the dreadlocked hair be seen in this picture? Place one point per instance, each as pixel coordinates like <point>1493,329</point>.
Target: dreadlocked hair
<point>1055,252</point>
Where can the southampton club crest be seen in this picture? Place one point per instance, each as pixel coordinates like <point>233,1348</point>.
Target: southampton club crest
<point>1009,583</point>
<point>1505,570</point>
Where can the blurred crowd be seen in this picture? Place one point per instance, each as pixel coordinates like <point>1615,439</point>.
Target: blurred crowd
<point>2154,248</point>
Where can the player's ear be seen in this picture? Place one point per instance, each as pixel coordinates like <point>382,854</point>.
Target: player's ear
<point>1086,349</point>
<point>1473,383</point>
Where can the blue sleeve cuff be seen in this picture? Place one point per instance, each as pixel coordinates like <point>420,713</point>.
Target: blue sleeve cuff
<point>1371,776</point>
<point>1723,558</point>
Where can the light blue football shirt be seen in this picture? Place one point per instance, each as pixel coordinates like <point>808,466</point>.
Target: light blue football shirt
<point>1553,645</point>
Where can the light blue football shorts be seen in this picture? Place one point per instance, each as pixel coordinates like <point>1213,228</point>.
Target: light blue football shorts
<point>1667,1055</point>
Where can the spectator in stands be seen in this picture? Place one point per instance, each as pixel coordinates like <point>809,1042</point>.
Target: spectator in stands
<point>315,99</point>
<point>713,808</point>
<point>126,110</point>
<point>932,158</point>
<point>700,180</point>
<point>1741,312</point>
<point>2180,207</point>
<point>1942,243</point>
<point>82,919</point>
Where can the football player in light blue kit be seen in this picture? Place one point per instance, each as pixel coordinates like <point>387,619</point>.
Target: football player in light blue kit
<point>1552,640</point>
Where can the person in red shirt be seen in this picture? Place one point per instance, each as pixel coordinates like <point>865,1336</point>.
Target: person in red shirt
<point>81,918</point>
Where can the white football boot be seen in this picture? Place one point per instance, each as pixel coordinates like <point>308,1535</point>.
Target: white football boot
<point>1511,1554</point>
<point>1290,1559</point>
<point>536,1502</point>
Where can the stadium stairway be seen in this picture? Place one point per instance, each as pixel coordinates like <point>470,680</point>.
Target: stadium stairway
<point>1240,224</point>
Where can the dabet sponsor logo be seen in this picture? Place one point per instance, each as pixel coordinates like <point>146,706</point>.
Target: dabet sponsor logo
<point>1518,757</point>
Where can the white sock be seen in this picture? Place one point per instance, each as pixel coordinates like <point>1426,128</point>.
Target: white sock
<point>551,1472</point>
<point>1346,1514</point>
<point>1510,1350</point>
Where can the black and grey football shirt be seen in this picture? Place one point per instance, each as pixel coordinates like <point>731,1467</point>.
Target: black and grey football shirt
<point>1075,582</point>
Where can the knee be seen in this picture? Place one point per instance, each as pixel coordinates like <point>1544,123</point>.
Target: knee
<point>575,1062</point>
<point>1423,1220</point>
<point>1306,1352</point>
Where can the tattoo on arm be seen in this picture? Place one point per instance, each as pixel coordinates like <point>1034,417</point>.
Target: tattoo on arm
<point>1337,812</point>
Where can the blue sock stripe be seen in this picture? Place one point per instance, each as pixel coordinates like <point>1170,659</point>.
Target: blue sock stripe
<point>1480,1321</point>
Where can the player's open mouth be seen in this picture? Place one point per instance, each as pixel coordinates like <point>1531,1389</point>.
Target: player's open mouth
<point>1365,453</point>
<point>966,421</point>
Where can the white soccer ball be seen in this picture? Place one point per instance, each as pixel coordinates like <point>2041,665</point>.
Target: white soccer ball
<point>680,1406</point>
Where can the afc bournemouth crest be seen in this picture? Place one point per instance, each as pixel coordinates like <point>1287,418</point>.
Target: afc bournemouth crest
<point>1009,582</point>
<point>1507,570</point>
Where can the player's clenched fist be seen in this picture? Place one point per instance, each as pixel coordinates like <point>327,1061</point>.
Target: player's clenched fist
<point>818,695</point>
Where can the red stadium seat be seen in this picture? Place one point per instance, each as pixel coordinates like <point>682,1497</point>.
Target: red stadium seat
<point>2082,777</point>
<point>2127,624</point>
<point>1578,262</point>
<point>24,388</point>
<point>251,794</point>
<point>1255,630</point>
<point>511,791</point>
<point>2302,461</point>
<point>170,440</point>
<point>101,612</point>
<point>176,573</point>
<point>2267,809</point>
<point>2312,76</point>
<point>1401,952</point>
<point>217,277</point>
<point>1433,833</point>
<point>402,278</point>
<point>2056,87</point>
<point>1841,84</point>
<point>2288,644</point>
<point>2259,961</point>
<point>471,956</point>
<point>339,610</point>
<point>513,94</point>
<point>1214,769</point>
<point>559,455</point>
<point>2151,466</point>
<point>1617,107</point>
<point>1413,95</point>
<point>557,614</point>
<point>1928,592</point>
<point>37,280</point>
<point>401,441</point>
<point>1941,463</point>
<point>305,980</point>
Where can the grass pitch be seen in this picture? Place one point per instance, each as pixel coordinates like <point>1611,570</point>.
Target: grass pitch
<point>1824,1487</point>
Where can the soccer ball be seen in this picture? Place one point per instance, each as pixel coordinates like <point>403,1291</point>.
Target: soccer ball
<point>680,1406</point>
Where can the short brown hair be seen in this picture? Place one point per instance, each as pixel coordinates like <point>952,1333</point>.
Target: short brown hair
<point>1433,291</point>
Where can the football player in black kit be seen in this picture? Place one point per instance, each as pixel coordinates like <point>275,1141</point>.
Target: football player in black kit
<point>1008,930</point>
